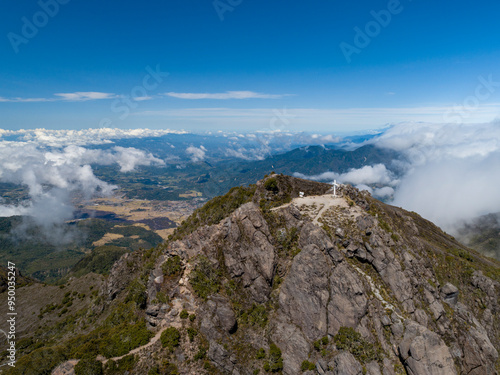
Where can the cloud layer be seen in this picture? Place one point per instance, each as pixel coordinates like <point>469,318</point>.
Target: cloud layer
<point>62,138</point>
<point>223,95</point>
<point>55,176</point>
<point>452,173</point>
<point>78,96</point>
<point>377,174</point>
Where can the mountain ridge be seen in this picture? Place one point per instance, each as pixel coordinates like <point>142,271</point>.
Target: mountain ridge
<point>284,284</point>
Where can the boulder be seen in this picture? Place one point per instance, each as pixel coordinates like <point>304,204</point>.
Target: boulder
<point>345,364</point>
<point>424,353</point>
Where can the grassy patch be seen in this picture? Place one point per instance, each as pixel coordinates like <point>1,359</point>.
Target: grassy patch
<point>170,338</point>
<point>215,210</point>
<point>205,279</point>
<point>172,266</point>
<point>257,315</point>
<point>348,339</point>
<point>274,362</point>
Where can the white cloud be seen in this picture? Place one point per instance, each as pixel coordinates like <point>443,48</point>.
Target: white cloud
<point>367,175</point>
<point>78,96</point>
<point>384,192</point>
<point>376,174</point>
<point>83,96</point>
<point>61,138</point>
<point>224,95</point>
<point>53,178</point>
<point>452,171</point>
<point>197,154</point>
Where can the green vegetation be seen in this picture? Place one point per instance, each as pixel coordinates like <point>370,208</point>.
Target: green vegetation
<point>121,332</point>
<point>201,354</point>
<point>137,293</point>
<point>271,184</point>
<point>261,354</point>
<point>184,314</point>
<point>192,317</point>
<point>88,366</point>
<point>100,260</point>
<point>205,279</point>
<point>321,343</point>
<point>192,333</point>
<point>172,266</point>
<point>169,368</point>
<point>274,361</point>
<point>348,339</point>
<point>39,362</point>
<point>170,338</point>
<point>38,256</point>
<point>124,365</point>
<point>215,210</point>
<point>161,297</point>
<point>288,240</point>
<point>306,365</point>
<point>257,315</point>
<point>135,237</point>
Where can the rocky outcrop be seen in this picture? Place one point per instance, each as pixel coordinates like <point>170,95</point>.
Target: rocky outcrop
<point>345,364</point>
<point>248,254</point>
<point>304,296</point>
<point>424,352</point>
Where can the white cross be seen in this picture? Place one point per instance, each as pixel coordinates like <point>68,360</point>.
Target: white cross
<point>334,187</point>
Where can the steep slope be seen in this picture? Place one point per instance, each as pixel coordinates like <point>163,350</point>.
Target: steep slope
<point>482,234</point>
<point>315,285</point>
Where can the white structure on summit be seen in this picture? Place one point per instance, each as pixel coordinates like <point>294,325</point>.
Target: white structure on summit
<point>335,185</point>
<point>301,194</point>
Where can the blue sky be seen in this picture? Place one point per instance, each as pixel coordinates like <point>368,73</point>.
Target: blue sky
<point>252,65</point>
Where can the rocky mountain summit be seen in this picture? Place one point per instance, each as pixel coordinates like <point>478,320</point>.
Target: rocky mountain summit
<point>340,285</point>
<point>263,280</point>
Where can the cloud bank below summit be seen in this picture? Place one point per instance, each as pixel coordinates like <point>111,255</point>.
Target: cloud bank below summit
<point>53,177</point>
<point>450,173</point>
<point>447,173</point>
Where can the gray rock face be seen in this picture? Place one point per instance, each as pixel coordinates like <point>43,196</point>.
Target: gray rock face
<point>248,254</point>
<point>217,315</point>
<point>292,342</point>
<point>119,276</point>
<point>312,234</point>
<point>222,359</point>
<point>304,294</point>
<point>450,294</point>
<point>348,300</point>
<point>424,353</point>
<point>345,364</point>
<point>479,354</point>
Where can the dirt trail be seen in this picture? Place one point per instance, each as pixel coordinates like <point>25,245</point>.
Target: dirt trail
<point>68,367</point>
<point>137,350</point>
